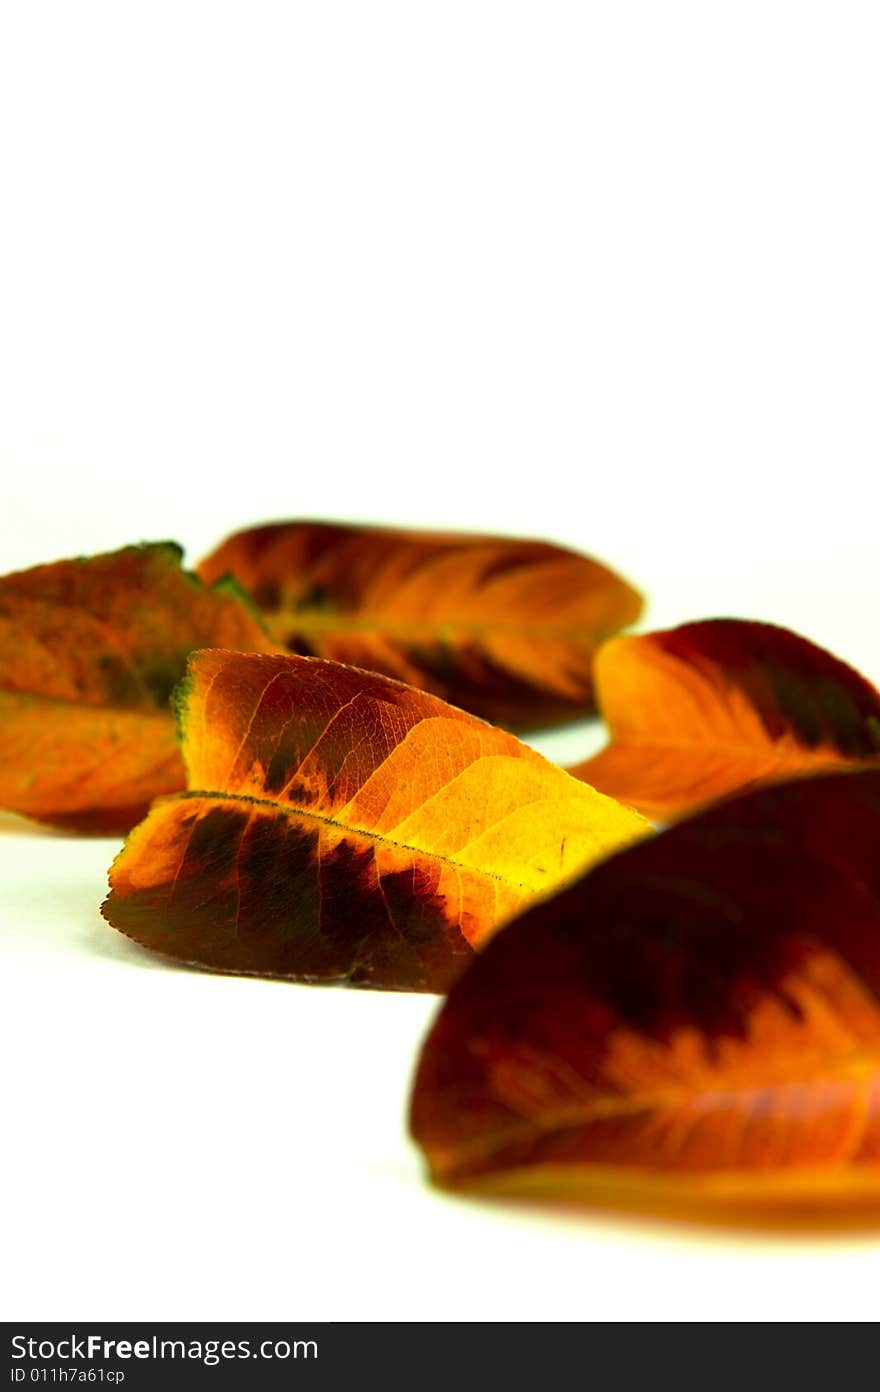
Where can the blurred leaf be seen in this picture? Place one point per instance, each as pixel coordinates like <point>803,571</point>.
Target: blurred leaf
<point>504,628</point>
<point>89,653</point>
<point>711,708</point>
<point>697,1018</point>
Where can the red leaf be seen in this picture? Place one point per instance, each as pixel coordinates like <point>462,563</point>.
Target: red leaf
<point>712,708</point>
<point>698,1017</point>
<point>90,650</point>
<point>502,627</point>
<point>340,826</point>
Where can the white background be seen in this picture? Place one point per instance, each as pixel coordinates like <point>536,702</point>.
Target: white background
<point>603,272</point>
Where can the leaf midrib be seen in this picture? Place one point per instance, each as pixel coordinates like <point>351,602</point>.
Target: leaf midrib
<point>850,1066</point>
<point>347,829</point>
<point>317,622</point>
<point>147,710</point>
<point>795,754</point>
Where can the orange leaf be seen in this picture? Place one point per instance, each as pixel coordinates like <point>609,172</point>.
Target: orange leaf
<point>711,708</point>
<point>89,652</point>
<point>343,827</point>
<point>506,629</point>
<point>697,1018</point>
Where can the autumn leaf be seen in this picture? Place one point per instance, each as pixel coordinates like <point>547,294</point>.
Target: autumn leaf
<point>710,708</point>
<point>697,1018</point>
<point>340,826</point>
<point>89,652</point>
<point>506,629</point>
